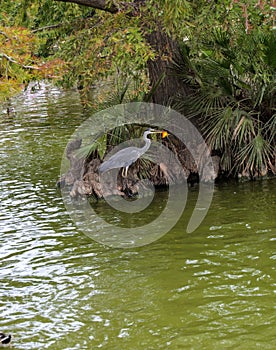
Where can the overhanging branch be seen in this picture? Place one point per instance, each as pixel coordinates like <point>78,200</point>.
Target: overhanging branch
<point>105,5</point>
<point>52,26</point>
<point>12,60</point>
<point>5,35</point>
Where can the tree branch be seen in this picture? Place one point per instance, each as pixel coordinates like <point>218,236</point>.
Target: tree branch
<point>10,59</point>
<point>5,35</point>
<point>105,5</point>
<point>47,27</point>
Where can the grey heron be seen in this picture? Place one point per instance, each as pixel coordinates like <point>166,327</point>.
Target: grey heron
<point>125,157</point>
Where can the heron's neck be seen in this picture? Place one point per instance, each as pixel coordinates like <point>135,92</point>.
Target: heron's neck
<point>147,144</point>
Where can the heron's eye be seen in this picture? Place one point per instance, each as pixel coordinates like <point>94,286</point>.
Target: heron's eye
<point>164,134</point>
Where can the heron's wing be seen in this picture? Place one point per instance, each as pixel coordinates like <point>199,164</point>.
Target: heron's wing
<point>121,159</point>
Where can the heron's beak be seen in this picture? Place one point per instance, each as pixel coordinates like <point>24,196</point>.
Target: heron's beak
<point>164,134</point>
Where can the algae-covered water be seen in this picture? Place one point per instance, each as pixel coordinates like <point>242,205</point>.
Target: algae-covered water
<point>210,289</point>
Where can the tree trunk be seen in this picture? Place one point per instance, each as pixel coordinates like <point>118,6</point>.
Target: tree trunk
<point>165,84</point>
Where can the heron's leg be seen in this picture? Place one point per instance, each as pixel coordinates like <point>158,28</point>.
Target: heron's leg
<point>124,172</point>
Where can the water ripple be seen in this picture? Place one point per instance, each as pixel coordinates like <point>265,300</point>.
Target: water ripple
<point>213,289</point>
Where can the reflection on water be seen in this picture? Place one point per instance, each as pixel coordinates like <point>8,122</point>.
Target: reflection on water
<point>212,289</point>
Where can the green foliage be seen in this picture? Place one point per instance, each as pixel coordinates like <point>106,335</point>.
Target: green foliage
<point>20,48</point>
<point>99,146</point>
<point>255,157</point>
<point>228,62</point>
<point>233,98</point>
<point>100,46</point>
<point>109,48</point>
<point>16,47</point>
<point>173,16</point>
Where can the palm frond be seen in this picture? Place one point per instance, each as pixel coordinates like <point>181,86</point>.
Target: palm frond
<point>86,151</point>
<point>255,156</point>
<point>270,130</point>
<point>244,129</point>
<point>218,128</point>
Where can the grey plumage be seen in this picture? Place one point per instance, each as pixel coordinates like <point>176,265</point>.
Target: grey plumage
<point>127,156</point>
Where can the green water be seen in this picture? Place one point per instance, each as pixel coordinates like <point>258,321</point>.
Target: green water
<point>210,289</point>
